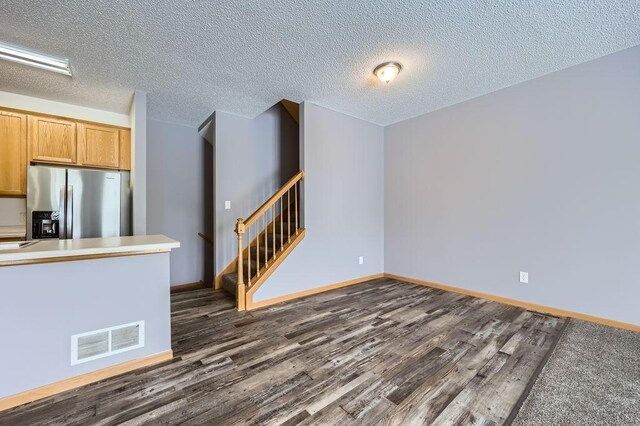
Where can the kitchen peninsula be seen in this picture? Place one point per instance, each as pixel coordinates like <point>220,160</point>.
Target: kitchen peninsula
<point>78,311</point>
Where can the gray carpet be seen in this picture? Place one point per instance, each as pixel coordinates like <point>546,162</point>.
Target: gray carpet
<point>592,378</point>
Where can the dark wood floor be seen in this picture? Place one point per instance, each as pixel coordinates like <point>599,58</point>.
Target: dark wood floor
<point>381,352</point>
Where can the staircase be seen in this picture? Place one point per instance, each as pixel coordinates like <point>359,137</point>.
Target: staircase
<point>272,232</point>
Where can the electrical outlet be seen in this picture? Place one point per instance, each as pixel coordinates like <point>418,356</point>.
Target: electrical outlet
<point>360,260</point>
<point>524,277</point>
<point>23,218</point>
<point>227,205</point>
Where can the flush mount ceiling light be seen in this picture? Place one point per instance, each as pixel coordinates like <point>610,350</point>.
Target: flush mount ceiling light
<point>388,71</point>
<point>37,60</point>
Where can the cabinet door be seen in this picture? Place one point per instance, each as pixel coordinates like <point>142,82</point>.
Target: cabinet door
<point>52,140</point>
<point>125,149</point>
<point>100,146</point>
<point>13,153</point>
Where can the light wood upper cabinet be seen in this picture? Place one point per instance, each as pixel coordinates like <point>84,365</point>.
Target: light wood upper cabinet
<point>99,146</point>
<point>13,153</point>
<point>125,149</point>
<point>32,138</point>
<point>52,140</point>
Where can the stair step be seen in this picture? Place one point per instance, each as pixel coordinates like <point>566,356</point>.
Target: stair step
<point>254,266</point>
<point>291,210</point>
<point>261,249</point>
<point>277,236</point>
<point>230,283</point>
<point>285,225</point>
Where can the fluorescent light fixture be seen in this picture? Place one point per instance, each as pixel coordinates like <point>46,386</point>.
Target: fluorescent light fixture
<point>34,59</point>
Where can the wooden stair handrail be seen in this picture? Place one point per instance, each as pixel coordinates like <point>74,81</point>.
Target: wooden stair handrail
<point>204,237</point>
<point>264,262</point>
<point>275,197</point>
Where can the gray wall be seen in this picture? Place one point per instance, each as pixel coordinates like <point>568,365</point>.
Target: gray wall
<point>42,306</point>
<point>344,204</point>
<point>254,157</point>
<point>138,121</point>
<point>179,196</point>
<point>541,177</point>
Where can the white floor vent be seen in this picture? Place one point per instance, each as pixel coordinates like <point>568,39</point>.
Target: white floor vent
<point>108,341</point>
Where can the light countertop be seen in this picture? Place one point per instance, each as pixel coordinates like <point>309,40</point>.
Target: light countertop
<point>17,231</point>
<point>45,249</point>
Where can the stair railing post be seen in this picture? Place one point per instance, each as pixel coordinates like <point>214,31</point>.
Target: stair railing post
<point>240,291</point>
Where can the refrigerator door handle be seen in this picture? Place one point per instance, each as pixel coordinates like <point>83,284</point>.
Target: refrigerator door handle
<point>62,217</point>
<point>70,211</point>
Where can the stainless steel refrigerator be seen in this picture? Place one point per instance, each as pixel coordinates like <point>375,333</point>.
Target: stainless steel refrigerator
<point>70,203</point>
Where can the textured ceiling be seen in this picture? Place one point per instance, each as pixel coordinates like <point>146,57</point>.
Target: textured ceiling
<point>193,57</point>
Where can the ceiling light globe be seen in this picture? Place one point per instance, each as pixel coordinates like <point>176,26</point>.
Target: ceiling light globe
<point>388,71</point>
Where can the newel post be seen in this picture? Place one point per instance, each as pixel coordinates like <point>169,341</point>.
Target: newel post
<point>240,291</point>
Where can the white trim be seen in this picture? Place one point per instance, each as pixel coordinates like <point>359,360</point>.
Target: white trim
<point>44,106</point>
<point>74,342</point>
